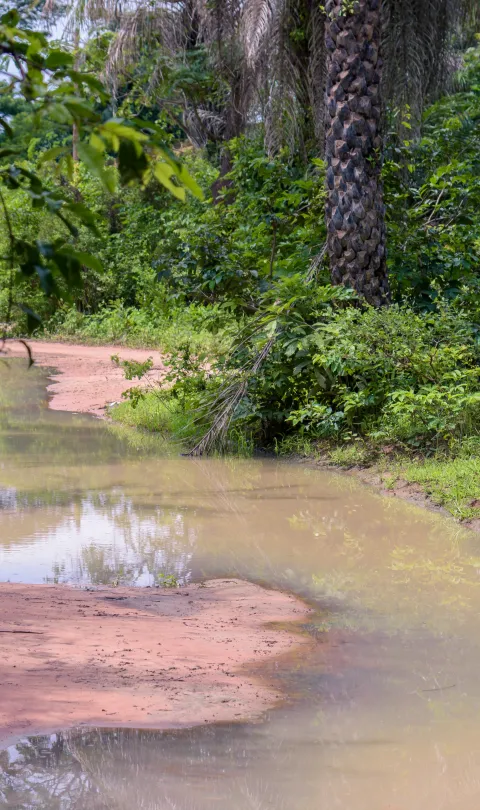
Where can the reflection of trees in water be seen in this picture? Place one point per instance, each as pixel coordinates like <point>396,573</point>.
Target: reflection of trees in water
<point>145,546</point>
<point>42,773</point>
<point>224,766</point>
<point>132,770</point>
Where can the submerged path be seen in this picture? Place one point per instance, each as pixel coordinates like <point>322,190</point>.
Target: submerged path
<point>85,380</point>
<point>147,657</point>
<point>135,656</point>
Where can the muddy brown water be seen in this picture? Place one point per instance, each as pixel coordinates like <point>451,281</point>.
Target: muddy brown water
<point>384,715</point>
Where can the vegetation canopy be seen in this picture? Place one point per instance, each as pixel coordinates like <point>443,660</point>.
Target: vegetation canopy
<point>319,285</point>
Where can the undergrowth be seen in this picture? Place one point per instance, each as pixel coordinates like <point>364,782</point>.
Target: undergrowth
<point>206,329</point>
<point>453,483</point>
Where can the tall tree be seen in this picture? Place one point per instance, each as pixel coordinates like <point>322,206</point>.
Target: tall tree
<point>396,51</point>
<point>302,68</point>
<point>355,211</point>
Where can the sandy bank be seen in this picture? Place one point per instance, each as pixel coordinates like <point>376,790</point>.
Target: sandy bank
<point>85,379</point>
<point>143,657</point>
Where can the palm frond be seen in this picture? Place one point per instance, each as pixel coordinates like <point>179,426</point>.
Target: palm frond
<point>256,22</point>
<point>418,48</point>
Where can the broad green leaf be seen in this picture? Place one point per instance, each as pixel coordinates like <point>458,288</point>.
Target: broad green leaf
<point>84,214</point>
<point>82,257</point>
<point>121,130</point>
<point>94,162</point>
<point>132,162</point>
<point>57,59</point>
<point>10,18</point>
<point>90,81</point>
<point>163,172</point>
<point>97,142</point>
<point>50,154</point>
<point>80,109</point>
<point>190,183</point>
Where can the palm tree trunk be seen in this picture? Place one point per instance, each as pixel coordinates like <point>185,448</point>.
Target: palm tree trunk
<point>235,120</point>
<point>355,212</point>
<point>75,132</point>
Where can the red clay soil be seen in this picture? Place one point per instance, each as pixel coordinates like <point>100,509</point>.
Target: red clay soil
<point>85,380</point>
<point>140,657</point>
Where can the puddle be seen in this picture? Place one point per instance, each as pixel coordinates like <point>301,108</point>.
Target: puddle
<point>385,715</point>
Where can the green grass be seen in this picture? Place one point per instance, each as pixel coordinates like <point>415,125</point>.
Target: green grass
<point>156,413</point>
<point>207,331</point>
<point>452,483</point>
<point>355,454</point>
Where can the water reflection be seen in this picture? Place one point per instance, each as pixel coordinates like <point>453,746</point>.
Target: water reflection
<point>386,713</point>
<point>315,758</point>
<point>138,519</point>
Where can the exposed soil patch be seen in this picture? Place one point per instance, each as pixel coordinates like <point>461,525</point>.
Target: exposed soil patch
<point>145,657</point>
<point>84,379</point>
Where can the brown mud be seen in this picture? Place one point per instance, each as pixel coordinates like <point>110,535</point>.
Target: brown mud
<point>142,657</point>
<point>84,379</point>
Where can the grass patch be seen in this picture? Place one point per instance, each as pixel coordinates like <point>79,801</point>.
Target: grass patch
<point>160,413</point>
<point>351,454</point>
<point>356,454</point>
<point>156,413</point>
<point>208,331</point>
<point>452,483</point>
<point>296,445</point>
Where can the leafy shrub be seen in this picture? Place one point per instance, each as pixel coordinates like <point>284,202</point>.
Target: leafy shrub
<point>432,192</point>
<point>337,371</point>
<point>206,329</point>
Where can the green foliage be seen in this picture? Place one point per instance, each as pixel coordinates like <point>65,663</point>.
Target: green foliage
<point>133,368</point>
<point>46,81</point>
<point>208,330</point>
<point>157,412</point>
<point>432,187</point>
<point>332,371</point>
<point>261,347</point>
<point>273,227</point>
<point>450,482</point>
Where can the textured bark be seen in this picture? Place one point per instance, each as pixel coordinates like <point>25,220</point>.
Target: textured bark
<point>75,132</point>
<point>235,120</point>
<point>355,212</point>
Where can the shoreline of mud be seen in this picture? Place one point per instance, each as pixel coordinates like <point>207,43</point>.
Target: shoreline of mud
<point>106,383</point>
<point>371,476</point>
<point>84,379</point>
<point>141,657</point>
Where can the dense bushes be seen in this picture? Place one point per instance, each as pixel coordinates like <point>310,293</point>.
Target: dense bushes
<point>389,375</point>
<point>433,197</point>
<point>246,282</point>
<point>333,369</point>
<point>315,367</point>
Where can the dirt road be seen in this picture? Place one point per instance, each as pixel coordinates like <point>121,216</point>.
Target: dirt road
<point>84,378</point>
<point>135,656</point>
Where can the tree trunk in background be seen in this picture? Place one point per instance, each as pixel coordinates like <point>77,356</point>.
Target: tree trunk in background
<point>235,119</point>
<point>75,133</point>
<point>355,212</point>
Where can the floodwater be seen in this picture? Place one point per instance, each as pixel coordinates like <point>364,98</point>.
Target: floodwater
<point>384,714</point>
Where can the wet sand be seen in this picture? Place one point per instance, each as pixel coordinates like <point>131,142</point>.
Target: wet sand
<point>143,657</point>
<point>85,380</point>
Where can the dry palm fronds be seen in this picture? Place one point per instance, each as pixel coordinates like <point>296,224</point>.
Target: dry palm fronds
<point>227,402</point>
